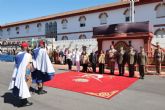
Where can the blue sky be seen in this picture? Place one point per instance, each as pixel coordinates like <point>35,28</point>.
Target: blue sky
<point>17,10</point>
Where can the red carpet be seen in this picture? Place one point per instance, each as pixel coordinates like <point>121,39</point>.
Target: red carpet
<point>104,86</point>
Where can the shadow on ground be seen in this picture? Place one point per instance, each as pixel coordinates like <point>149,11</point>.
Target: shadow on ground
<point>10,99</point>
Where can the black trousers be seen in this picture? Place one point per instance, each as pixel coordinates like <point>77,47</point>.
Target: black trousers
<point>131,70</point>
<point>121,69</point>
<point>101,68</point>
<point>85,67</point>
<point>69,64</point>
<point>141,70</point>
<point>94,67</point>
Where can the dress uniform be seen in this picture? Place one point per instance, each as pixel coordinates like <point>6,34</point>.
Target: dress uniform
<point>142,61</point>
<point>44,70</point>
<point>158,58</point>
<point>93,61</point>
<point>101,61</point>
<point>121,60</point>
<point>131,61</point>
<point>21,76</point>
<point>112,56</point>
<point>85,61</point>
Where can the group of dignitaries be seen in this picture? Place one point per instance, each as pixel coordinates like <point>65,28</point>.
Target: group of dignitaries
<point>36,67</point>
<point>30,67</point>
<point>112,56</point>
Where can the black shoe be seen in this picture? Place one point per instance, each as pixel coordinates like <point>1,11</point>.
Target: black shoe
<point>42,92</point>
<point>24,103</point>
<point>141,78</point>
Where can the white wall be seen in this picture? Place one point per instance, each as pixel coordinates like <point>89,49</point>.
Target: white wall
<point>144,12</point>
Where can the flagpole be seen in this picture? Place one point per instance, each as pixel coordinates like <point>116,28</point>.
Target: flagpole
<point>133,10</point>
<point>130,10</point>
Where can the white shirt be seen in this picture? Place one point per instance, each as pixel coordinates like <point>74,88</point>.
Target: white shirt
<point>77,56</point>
<point>69,56</point>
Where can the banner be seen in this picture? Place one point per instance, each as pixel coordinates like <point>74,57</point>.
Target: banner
<point>7,58</point>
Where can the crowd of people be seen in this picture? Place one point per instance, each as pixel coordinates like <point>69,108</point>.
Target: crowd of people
<point>35,66</point>
<point>108,59</point>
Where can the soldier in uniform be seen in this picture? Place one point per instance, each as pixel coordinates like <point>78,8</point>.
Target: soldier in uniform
<point>101,61</point>
<point>121,61</point>
<point>158,58</point>
<point>142,61</point>
<point>93,60</point>
<point>112,56</point>
<point>131,61</point>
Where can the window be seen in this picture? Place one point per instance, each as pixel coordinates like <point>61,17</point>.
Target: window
<point>17,30</point>
<point>160,10</point>
<point>82,36</point>
<point>160,33</point>
<point>64,38</point>
<point>46,28</point>
<point>1,32</point>
<point>27,28</point>
<point>103,18</point>
<point>64,23</point>
<point>8,31</point>
<point>39,25</point>
<point>127,15</point>
<point>82,20</point>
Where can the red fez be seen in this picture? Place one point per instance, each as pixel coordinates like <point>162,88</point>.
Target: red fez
<point>41,42</point>
<point>24,44</point>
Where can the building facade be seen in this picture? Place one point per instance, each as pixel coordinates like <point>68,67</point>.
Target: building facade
<point>79,24</point>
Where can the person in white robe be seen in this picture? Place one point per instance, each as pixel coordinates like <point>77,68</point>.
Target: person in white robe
<point>21,75</point>
<point>44,70</point>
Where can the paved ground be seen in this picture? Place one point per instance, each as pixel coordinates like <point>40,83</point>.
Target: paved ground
<point>147,94</point>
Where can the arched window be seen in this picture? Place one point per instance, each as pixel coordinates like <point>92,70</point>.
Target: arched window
<point>39,26</point>
<point>17,30</point>
<point>127,15</point>
<point>27,28</point>
<point>64,38</point>
<point>160,33</point>
<point>103,18</point>
<point>64,23</point>
<point>82,36</point>
<point>160,10</point>
<point>8,31</point>
<point>82,20</point>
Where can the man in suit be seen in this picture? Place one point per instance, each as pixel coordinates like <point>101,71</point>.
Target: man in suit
<point>131,61</point>
<point>121,61</point>
<point>158,58</point>
<point>93,60</point>
<point>112,58</point>
<point>142,61</point>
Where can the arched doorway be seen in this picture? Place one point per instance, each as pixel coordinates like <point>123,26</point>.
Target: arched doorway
<point>121,44</point>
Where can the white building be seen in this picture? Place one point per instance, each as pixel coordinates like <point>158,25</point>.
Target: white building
<point>79,24</point>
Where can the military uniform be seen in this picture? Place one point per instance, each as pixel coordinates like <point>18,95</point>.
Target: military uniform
<point>142,61</point>
<point>93,61</point>
<point>131,61</point>
<point>158,57</point>
<point>112,56</point>
<point>121,60</point>
<point>101,63</point>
